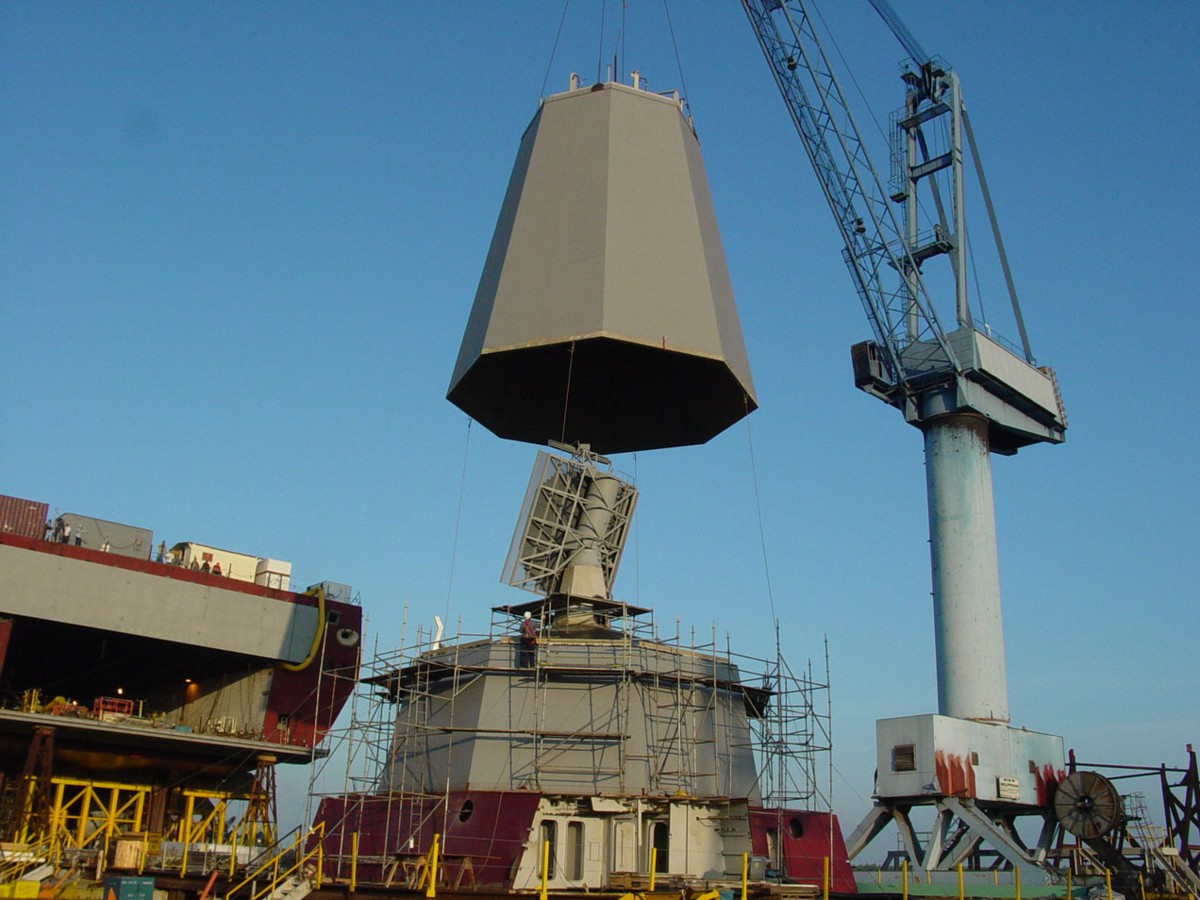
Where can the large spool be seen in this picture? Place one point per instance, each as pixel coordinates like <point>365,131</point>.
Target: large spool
<point>1087,804</point>
<point>604,314</point>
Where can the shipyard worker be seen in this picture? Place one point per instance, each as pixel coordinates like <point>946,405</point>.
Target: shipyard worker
<point>66,533</point>
<point>528,655</point>
<point>216,568</point>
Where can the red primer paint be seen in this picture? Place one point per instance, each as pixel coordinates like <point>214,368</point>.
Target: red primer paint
<point>805,839</point>
<point>400,827</point>
<point>955,774</point>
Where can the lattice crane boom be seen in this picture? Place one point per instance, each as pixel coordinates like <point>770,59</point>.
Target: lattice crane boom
<point>914,362</point>
<point>968,393</point>
<point>874,250</point>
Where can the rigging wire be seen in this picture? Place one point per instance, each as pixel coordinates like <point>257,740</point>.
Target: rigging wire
<point>554,49</point>
<point>846,67</point>
<point>562,435</point>
<point>762,536</point>
<point>600,48</point>
<point>462,483</point>
<point>620,54</point>
<point>966,242</point>
<point>849,70</point>
<point>637,544</point>
<point>675,47</point>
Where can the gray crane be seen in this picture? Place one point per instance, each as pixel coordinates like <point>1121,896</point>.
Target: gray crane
<point>968,392</point>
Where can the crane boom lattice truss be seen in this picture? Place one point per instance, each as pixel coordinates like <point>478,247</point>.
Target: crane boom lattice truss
<point>968,394</point>
<point>875,250</point>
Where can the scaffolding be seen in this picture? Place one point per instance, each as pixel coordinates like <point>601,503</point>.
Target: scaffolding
<point>667,717</point>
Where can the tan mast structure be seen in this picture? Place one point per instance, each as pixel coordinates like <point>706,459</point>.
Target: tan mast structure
<point>605,315</point>
<point>604,322</point>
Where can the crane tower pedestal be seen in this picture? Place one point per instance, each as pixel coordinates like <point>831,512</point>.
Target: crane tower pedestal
<point>979,777</point>
<point>968,633</point>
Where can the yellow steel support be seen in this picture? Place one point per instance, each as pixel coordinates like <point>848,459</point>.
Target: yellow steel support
<point>211,826</point>
<point>545,869</point>
<point>431,888</point>
<point>185,826</point>
<point>85,811</point>
<point>745,873</point>
<point>353,861</point>
<point>958,868</point>
<point>1017,883</point>
<point>825,878</point>
<point>904,878</point>
<point>653,865</point>
<point>90,814</point>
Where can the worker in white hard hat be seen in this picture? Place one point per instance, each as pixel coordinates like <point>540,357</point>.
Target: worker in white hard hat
<point>529,635</point>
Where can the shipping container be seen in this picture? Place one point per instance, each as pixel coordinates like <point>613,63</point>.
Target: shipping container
<point>24,517</point>
<point>200,556</point>
<point>111,537</point>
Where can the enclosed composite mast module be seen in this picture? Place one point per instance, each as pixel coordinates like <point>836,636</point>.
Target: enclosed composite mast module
<point>604,322</point>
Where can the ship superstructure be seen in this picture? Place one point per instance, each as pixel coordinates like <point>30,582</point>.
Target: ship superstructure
<point>146,701</point>
<point>573,748</point>
<point>596,753</point>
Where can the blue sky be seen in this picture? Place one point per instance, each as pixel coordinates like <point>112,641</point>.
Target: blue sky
<point>240,242</point>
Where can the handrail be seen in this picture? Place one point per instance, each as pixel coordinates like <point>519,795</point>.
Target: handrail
<point>25,860</point>
<point>272,864</point>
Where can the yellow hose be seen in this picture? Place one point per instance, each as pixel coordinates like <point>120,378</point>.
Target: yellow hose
<point>319,593</point>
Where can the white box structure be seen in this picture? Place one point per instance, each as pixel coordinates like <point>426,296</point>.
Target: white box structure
<point>930,755</point>
<point>273,573</point>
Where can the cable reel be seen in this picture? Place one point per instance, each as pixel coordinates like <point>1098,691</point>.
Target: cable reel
<point>1087,805</point>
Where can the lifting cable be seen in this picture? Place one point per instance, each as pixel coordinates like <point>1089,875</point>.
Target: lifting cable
<point>600,48</point>
<point>562,435</point>
<point>762,536</point>
<point>675,47</point>
<point>462,483</point>
<point>554,49</point>
<point>637,543</point>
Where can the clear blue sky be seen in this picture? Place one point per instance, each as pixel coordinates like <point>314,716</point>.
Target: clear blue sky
<point>240,241</point>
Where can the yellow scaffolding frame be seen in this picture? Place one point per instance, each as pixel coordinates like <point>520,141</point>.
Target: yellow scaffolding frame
<point>89,815</point>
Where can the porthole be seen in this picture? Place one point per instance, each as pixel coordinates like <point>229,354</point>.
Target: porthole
<point>464,813</point>
<point>347,637</point>
<point>795,829</point>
